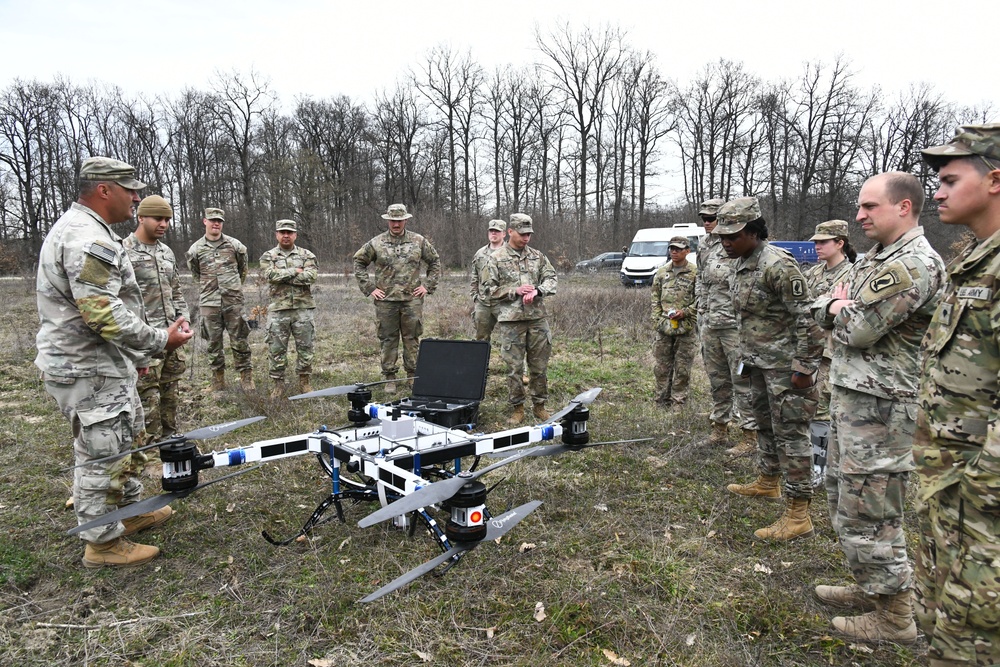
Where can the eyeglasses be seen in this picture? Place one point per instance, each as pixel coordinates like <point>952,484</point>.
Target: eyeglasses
<point>708,218</point>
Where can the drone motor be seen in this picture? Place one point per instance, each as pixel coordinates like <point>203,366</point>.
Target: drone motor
<point>468,513</point>
<point>575,433</point>
<point>359,398</point>
<point>180,466</point>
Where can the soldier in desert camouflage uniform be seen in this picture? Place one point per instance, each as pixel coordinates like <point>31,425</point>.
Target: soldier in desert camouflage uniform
<point>675,321</point>
<point>720,340</point>
<point>484,317</point>
<point>290,272</point>
<point>957,447</point>
<point>518,280</point>
<point>878,317</point>
<point>835,254</point>
<point>219,263</point>
<point>92,335</point>
<point>398,292</point>
<point>781,348</point>
<point>156,273</point>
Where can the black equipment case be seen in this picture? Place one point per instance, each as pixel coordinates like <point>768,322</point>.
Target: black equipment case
<point>450,382</point>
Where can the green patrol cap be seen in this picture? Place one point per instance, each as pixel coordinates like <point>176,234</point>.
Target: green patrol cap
<point>283,225</point>
<point>521,223</point>
<point>982,140</point>
<point>831,229</point>
<point>736,213</point>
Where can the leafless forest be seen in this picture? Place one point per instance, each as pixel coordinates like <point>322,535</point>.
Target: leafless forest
<point>577,139</point>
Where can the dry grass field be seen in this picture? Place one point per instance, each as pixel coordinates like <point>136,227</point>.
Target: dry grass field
<point>640,557</point>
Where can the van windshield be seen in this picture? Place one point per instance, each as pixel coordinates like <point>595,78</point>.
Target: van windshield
<point>657,248</point>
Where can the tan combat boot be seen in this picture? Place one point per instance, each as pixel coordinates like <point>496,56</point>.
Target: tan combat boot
<point>246,380</point>
<point>845,597</point>
<point>389,387</point>
<point>747,444</point>
<point>517,415</point>
<point>765,486</point>
<point>119,552</point>
<point>540,412</point>
<point>218,379</point>
<point>304,385</point>
<point>278,390</point>
<point>795,522</point>
<point>148,520</point>
<point>720,435</point>
<point>892,621</point>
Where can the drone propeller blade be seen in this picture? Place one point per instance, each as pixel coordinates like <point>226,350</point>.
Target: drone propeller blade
<point>498,527</point>
<point>585,398</point>
<point>203,433</point>
<point>550,450</point>
<point>433,493</point>
<point>150,504</point>
<point>344,389</point>
<point>416,573</point>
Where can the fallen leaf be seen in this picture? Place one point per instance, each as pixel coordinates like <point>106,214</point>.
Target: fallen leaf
<point>615,659</point>
<point>861,649</point>
<point>320,662</point>
<point>344,543</point>
<point>758,567</point>
<point>711,534</point>
<point>301,538</point>
<point>230,507</point>
<point>525,546</point>
<point>539,612</point>
<point>490,632</point>
<point>426,657</point>
<point>601,507</point>
<point>786,564</point>
<point>689,640</point>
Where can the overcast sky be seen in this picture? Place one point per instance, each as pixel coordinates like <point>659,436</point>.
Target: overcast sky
<point>329,47</point>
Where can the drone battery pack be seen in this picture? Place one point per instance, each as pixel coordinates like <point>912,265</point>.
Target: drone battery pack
<point>450,382</point>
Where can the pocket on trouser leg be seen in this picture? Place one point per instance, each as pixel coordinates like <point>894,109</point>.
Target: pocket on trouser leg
<point>970,596</point>
<point>798,405</point>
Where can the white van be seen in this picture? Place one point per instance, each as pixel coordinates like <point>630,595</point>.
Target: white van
<point>649,251</point>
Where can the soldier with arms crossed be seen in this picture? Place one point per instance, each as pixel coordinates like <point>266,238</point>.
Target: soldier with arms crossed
<point>957,448</point>
<point>878,316</point>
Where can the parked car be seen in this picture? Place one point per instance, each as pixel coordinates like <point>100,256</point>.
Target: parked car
<point>606,261</point>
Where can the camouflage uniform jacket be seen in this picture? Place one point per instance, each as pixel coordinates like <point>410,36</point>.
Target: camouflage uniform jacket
<point>715,274</point>
<point>290,289</point>
<point>877,339</point>
<point>821,280</point>
<point>478,272</point>
<point>220,267</point>
<point>155,269</point>
<point>673,288</point>
<point>397,262</point>
<point>771,300</point>
<point>508,269</point>
<point>89,304</point>
<point>958,433</point>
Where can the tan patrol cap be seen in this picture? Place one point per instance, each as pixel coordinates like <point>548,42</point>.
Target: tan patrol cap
<point>982,140</point>
<point>110,169</point>
<point>497,226</point>
<point>215,214</point>
<point>283,225</point>
<point>710,206</point>
<point>521,223</point>
<point>736,213</point>
<point>831,229</point>
<point>679,242</point>
<point>396,212</point>
<point>154,206</point>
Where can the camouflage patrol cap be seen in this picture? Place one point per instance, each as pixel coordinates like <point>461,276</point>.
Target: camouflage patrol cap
<point>711,206</point>
<point>831,229</point>
<point>679,242</point>
<point>110,169</point>
<point>982,140</point>
<point>497,226</point>
<point>283,225</point>
<point>215,214</point>
<point>736,213</point>
<point>396,212</point>
<point>521,223</point>
<point>154,206</point>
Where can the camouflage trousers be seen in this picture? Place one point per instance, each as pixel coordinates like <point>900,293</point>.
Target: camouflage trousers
<point>283,325</point>
<point>398,320</point>
<point>158,393</point>
<point>484,319</point>
<point>672,360</point>
<point>106,417</point>
<point>867,468</point>
<point>720,350</point>
<point>958,580</point>
<point>214,321</point>
<point>823,389</point>
<point>528,340</point>
<point>783,413</point>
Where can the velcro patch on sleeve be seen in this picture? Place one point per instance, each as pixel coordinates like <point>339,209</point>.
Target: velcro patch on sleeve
<point>97,264</point>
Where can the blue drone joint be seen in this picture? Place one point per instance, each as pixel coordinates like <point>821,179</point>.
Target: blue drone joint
<point>548,432</point>
<point>416,462</point>
<point>237,457</point>
<point>458,466</point>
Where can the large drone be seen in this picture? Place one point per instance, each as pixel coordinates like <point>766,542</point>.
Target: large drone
<point>408,465</point>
